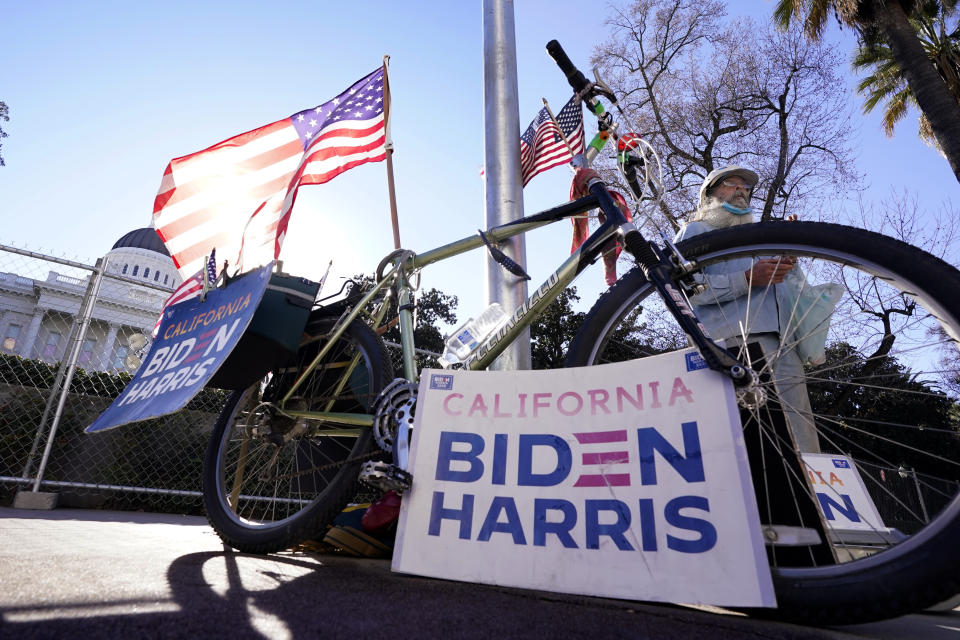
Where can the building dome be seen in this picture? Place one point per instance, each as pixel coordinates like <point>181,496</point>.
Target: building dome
<point>141,255</point>
<point>145,238</point>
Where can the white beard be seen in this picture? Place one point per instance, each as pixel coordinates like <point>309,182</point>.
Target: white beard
<point>713,213</point>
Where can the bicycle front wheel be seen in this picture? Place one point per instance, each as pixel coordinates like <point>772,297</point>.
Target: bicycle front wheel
<point>885,394</point>
<point>272,480</point>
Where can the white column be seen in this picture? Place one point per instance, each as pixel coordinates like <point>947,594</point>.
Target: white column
<point>31,334</point>
<point>105,362</point>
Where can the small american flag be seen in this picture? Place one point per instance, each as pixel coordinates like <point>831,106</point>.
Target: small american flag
<point>212,267</point>
<point>541,145</point>
<point>237,194</point>
<point>189,289</point>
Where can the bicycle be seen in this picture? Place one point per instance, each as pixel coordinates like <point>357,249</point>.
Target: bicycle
<point>285,453</point>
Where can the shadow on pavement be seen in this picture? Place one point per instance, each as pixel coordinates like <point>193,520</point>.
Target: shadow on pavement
<point>108,575</point>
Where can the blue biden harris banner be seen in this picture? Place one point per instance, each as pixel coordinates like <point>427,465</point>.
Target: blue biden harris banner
<point>194,339</point>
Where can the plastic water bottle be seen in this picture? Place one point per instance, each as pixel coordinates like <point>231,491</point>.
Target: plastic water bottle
<point>467,337</point>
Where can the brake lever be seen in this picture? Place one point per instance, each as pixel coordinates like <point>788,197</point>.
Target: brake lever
<point>592,90</point>
<point>602,88</point>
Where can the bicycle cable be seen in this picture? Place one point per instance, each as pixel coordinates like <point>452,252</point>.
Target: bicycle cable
<point>652,180</point>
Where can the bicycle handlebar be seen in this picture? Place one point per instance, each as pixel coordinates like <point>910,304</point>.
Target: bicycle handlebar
<point>588,92</point>
<point>574,76</point>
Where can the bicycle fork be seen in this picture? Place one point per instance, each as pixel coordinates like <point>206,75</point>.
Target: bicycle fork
<point>658,271</point>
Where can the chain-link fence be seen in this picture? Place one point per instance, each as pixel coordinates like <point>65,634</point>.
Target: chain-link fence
<point>904,498</point>
<point>424,358</point>
<point>71,337</point>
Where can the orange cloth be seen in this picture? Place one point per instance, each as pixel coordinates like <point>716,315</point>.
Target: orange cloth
<point>581,229</point>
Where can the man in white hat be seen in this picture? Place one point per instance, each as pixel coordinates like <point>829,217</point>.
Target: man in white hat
<point>725,308</point>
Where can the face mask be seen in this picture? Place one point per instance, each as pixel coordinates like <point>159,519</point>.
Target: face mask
<point>736,210</point>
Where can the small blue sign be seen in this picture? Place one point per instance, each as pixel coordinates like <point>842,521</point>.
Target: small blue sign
<point>695,361</point>
<point>840,463</point>
<point>193,341</point>
<point>441,381</point>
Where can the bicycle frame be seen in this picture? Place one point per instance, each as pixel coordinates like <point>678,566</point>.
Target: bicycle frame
<point>493,345</point>
<point>615,224</point>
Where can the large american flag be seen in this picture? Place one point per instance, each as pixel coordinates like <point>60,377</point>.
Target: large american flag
<point>542,147</point>
<point>237,194</point>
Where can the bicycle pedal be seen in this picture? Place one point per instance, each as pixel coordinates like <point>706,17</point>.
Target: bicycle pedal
<point>385,476</point>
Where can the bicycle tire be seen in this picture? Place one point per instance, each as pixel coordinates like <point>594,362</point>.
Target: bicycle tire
<point>266,488</point>
<point>900,578</point>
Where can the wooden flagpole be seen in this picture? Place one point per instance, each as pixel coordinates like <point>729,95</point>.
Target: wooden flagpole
<point>388,146</point>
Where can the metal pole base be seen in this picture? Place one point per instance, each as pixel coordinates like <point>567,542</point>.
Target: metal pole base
<point>35,500</point>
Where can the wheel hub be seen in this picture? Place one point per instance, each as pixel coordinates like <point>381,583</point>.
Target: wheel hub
<point>752,395</point>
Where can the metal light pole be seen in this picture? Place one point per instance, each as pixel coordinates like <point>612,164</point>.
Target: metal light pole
<point>504,191</point>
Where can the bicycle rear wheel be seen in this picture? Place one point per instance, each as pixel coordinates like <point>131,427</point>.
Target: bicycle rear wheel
<point>887,397</point>
<point>271,481</point>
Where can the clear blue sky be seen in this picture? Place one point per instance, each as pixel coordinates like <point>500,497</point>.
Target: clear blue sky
<point>103,94</point>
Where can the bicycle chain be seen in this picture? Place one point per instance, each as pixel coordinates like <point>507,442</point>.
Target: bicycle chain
<point>332,465</point>
<point>392,406</point>
<point>360,458</point>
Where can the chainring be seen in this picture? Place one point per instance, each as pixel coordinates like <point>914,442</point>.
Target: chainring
<point>395,406</point>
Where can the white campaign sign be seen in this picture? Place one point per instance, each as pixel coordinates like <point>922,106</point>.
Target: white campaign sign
<point>841,493</point>
<point>625,480</point>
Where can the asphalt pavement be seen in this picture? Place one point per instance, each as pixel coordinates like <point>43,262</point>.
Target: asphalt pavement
<point>72,573</point>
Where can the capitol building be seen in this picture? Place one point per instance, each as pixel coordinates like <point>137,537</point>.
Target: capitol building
<point>37,316</point>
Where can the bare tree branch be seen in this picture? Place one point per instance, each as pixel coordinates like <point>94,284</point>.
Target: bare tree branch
<point>708,92</point>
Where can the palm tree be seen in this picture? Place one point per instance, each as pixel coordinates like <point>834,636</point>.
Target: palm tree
<point>886,21</point>
<point>886,83</point>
